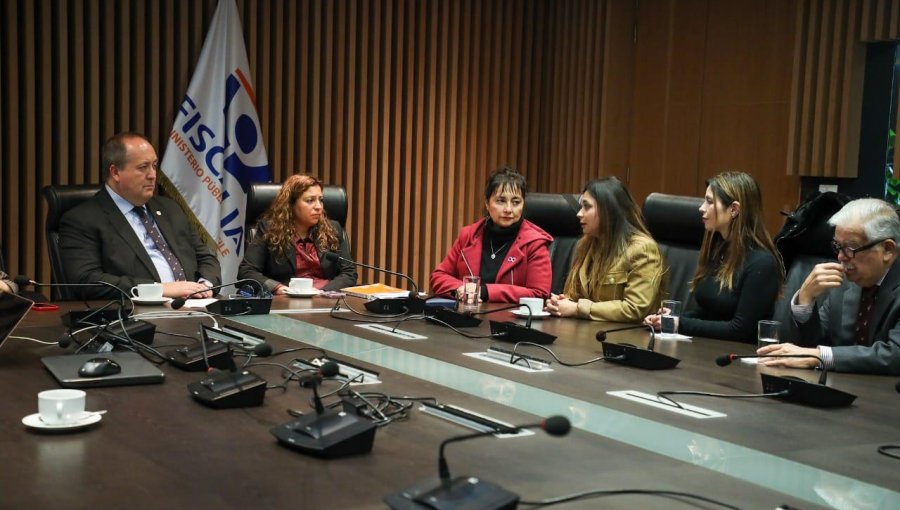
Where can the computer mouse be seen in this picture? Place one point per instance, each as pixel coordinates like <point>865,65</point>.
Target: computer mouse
<point>99,367</point>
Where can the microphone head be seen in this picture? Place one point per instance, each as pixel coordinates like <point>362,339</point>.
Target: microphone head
<point>556,425</point>
<point>65,341</point>
<point>22,281</point>
<point>601,336</point>
<point>262,350</point>
<point>331,256</point>
<point>724,360</point>
<point>177,303</point>
<point>329,369</point>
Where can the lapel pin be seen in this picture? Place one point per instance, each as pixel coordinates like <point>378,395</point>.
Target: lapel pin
<point>511,260</point>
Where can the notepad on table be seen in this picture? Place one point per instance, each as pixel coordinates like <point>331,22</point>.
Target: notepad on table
<point>375,291</point>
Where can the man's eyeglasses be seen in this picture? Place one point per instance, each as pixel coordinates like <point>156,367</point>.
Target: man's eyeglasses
<point>851,252</point>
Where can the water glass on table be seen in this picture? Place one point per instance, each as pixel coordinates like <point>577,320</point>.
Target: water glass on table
<point>669,314</point>
<point>471,293</point>
<point>767,334</point>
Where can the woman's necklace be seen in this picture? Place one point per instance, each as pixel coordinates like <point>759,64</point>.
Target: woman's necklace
<point>493,252</point>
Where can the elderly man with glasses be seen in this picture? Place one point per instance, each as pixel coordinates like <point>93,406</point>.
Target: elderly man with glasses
<point>848,311</point>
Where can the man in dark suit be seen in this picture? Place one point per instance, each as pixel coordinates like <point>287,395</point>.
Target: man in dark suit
<point>125,235</point>
<point>850,309</point>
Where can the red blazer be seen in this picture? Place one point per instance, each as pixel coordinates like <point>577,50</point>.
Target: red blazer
<point>525,272</point>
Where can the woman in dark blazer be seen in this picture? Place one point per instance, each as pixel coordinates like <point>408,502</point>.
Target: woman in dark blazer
<point>291,238</point>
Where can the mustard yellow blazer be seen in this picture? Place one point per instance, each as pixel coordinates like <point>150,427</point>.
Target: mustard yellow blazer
<point>631,289</point>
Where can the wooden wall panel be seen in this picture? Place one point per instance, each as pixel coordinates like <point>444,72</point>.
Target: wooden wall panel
<point>407,104</point>
<point>746,98</point>
<point>712,92</point>
<point>826,95</point>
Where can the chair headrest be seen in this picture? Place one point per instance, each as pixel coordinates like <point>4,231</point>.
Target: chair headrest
<point>62,198</point>
<point>261,195</point>
<point>674,219</point>
<point>554,212</point>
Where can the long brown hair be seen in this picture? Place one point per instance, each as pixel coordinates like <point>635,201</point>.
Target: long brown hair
<point>279,218</point>
<point>748,231</point>
<point>620,220</point>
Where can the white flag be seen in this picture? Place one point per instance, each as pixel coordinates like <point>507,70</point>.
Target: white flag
<point>215,148</point>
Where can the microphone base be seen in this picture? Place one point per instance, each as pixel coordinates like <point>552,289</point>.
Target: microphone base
<point>138,330</point>
<point>805,392</point>
<point>229,390</point>
<point>513,333</point>
<point>463,492</point>
<point>328,435</point>
<point>395,306</point>
<point>76,318</point>
<point>191,359</point>
<point>637,357</point>
<point>240,306</point>
<point>454,318</point>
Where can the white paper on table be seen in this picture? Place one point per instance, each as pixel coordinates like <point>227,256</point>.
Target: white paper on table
<point>199,303</point>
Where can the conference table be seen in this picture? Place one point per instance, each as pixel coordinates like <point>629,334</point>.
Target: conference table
<point>157,447</point>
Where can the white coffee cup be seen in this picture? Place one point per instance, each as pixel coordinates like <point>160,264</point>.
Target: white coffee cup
<point>301,284</point>
<point>147,291</point>
<point>61,406</point>
<point>535,304</point>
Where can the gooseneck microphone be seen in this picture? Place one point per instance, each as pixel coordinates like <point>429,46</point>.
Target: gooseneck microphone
<point>333,258</point>
<point>262,350</point>
<point>180,301</point>
<point>515,333</point>
<point>328,369</point>
<point>794,389</point>
<point>465,319</point>
<point>25,281</point>
<point>633,356</point>
<point>112,326</point>
<point>601,333</point>
<point>468,491</point>
<point>393,306</point>
<point>554,425</point>
<point>328,433</point>
<point>231,388</point>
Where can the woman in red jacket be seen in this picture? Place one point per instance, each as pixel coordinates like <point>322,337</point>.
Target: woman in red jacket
<point>508,252</point>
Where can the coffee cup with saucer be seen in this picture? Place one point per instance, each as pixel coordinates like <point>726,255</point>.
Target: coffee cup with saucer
<point>535,305</point>
<point>301,287</point>
<point>61,410</point>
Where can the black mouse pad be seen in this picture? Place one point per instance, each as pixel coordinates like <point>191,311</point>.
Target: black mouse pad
<point>135,370</point>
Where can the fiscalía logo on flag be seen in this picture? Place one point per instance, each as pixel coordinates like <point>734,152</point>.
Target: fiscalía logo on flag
<point>215,146</point>
<point>237,152</point>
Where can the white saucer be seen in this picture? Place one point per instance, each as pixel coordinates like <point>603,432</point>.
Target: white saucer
<point>151,301</point>
<point>519,313</point>
<point>302,293</point>
<point>34,421</point>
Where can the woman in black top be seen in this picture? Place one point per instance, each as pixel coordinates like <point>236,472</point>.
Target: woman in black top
<point>739,274</point>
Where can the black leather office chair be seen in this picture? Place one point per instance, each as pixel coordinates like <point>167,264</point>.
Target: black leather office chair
<point>674,222</point>
<point>261,195</point>
<point>555,213</point>
<point>59,200</point>
<point>804,241</point>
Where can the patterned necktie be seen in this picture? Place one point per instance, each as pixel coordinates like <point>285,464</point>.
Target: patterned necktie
<point>161,244</point>
<point>864,315</point>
